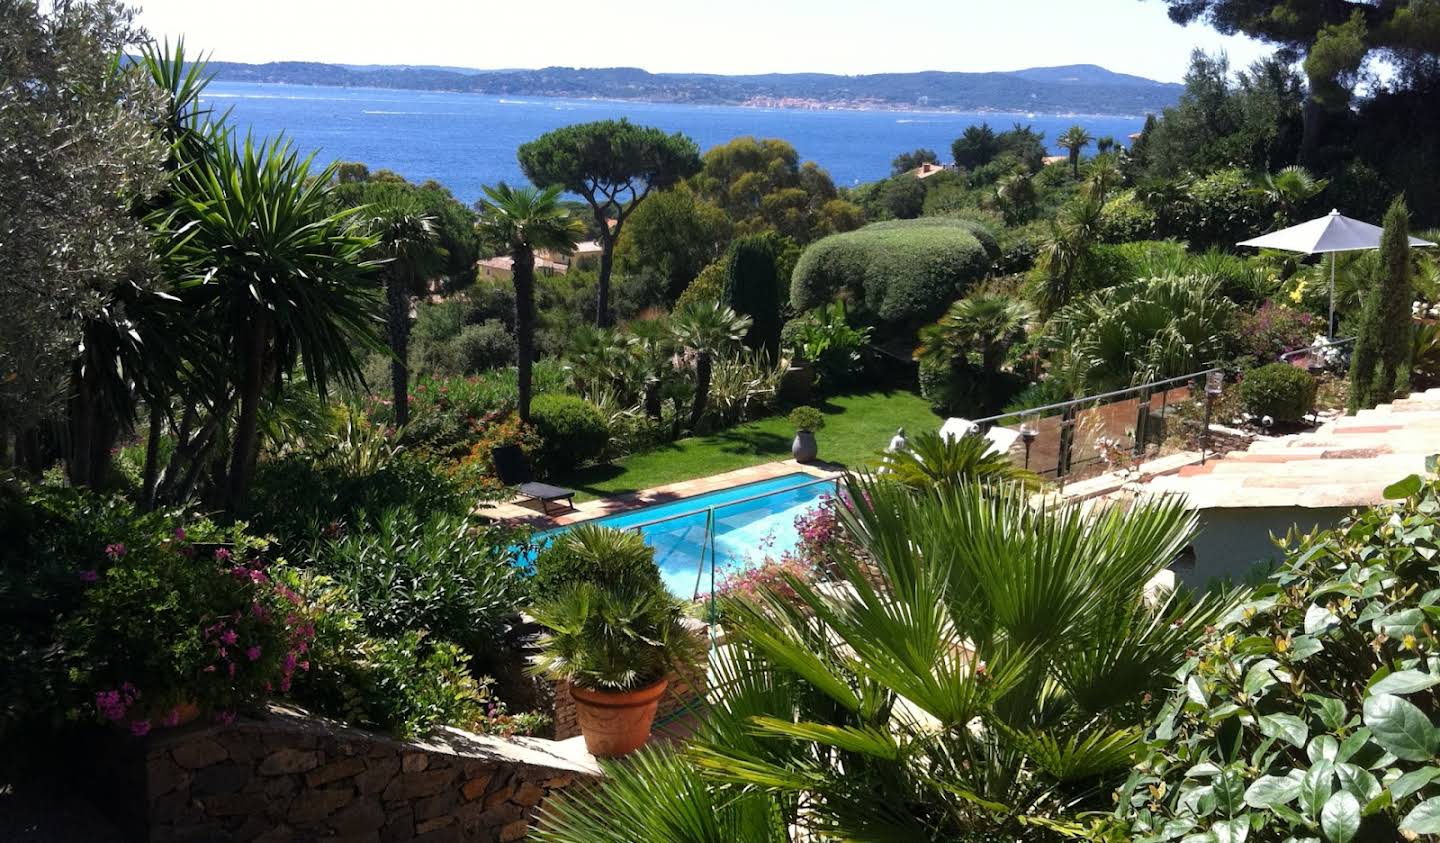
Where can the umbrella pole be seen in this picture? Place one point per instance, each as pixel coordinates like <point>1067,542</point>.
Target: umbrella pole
<point>1330,326</point>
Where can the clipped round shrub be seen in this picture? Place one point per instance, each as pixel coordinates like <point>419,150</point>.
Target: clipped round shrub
<point>484,346</point>
<point>807,418</point>
<point>901,272</point>
<point>572,431</point>
<point>709,285</point>
<point>600,556</point>
<point>1279,390</point>
<point>976,228</point>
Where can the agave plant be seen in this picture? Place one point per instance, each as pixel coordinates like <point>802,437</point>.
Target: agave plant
<point>742,386</point>
<point>978,677</point>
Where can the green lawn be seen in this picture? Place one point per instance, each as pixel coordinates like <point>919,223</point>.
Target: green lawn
<point>856,428</point>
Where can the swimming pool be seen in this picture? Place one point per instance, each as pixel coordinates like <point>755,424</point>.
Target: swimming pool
<point>751,522</point>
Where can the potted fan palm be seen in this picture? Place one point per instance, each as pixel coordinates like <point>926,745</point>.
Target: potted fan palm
<point>806,420</point>
<point>613,639</point>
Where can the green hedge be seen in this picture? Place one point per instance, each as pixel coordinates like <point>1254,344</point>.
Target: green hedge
<point>1279,390</point>
<point>901,272</point>
<point>572,431</point>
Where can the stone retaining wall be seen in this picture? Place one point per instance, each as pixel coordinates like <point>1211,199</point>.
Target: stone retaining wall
<point>292,777</point>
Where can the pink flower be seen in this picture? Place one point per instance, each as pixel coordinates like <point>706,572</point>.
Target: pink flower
<point>139,728</point>
<point>180,534</point>
<point>289,664</point>
<point>227,717</point>
<point>229,636</point>
<point>115,551</point>
<point>209,668</point>
<point>89,576</point>
<point>172,718</point>
<point>253,653</point>
<point>222,554</point>
<point>285,685</point>
<point>109,704</point>
<point>257,610</point>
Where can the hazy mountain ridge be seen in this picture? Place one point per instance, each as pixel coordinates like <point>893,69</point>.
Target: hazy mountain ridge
<point>1082,88</point>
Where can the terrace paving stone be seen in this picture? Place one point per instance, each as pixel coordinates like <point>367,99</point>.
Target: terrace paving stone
<point>1346,462</point>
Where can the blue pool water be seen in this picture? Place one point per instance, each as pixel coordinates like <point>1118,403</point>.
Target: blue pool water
<point>752,522</point>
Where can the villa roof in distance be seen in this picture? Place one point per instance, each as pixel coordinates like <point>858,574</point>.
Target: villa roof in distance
<point>1344,463</point>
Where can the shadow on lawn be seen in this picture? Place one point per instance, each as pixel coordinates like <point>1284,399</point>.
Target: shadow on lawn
<point>735,441</point>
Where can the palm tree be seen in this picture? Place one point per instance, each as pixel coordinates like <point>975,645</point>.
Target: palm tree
<point>930,460</point>
<point>987,323</point>
<point>1288,190</point>
<point>518,221</point>
<point>706,328</point>
<point>1104,174</point>
<point>1073,141</point>
<point>1017,195</point>
<point>978,677</point>
<point>284,275</point>
<point>406,239</point>
<point>1073,232</point>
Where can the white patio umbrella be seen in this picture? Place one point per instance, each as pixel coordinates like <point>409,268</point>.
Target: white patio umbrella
<point>1326,235</point>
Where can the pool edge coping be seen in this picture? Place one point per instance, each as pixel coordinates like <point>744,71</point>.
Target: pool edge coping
<point>513,513</point>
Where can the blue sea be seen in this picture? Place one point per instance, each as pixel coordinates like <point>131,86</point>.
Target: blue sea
<point>466,140</point>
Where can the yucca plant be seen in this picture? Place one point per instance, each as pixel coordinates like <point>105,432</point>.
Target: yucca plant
<point>706,328</point>
<point>287,278</point>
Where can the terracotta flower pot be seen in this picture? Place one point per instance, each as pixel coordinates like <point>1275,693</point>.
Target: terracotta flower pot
<point>616,722</point>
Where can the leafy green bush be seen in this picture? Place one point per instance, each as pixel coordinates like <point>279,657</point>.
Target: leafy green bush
<point>1310,712</point>
<point>448,414</point>
<point>444,574</point>
<point>405,685</point>
<point>484,346</point>
<point>1125,218</point>
<point>981,231</point>
<point>599,555</point>
<point>300,493</point>
<point>826,339</point>
<point>572,432</point>
<point>1279,390</point>
<point>1218,210</point>
<point>806,418</point>
<point>902,273</point>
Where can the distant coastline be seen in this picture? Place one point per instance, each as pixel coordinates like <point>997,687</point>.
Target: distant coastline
<point>1073,90</point>
<point>894,108</point>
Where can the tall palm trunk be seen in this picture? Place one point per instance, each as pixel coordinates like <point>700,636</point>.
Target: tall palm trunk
<point>397,298</point>
<point>703,364</point>
<point>523,276</point>
<point>247,423</point>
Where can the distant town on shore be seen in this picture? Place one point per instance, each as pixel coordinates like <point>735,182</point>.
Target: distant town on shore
<point>1078,89</point>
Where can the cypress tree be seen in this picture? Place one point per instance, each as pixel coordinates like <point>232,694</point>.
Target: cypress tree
<point>1382,350</point>
<point>752,287</point>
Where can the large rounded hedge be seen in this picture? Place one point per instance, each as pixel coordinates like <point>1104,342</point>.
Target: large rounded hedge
<point>901,271</point>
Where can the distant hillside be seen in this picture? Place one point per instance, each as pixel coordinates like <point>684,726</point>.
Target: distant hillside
<point>1084,88</point>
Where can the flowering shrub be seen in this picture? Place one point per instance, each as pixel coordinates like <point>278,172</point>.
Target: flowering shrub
<point>167,626</point>
<point>1273,330</point>
<point>767,577</point>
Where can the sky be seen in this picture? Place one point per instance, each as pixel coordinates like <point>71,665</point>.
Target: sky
<point>730,36</point>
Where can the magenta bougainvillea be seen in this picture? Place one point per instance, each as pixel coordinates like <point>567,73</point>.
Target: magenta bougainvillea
<point>169,629</point>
